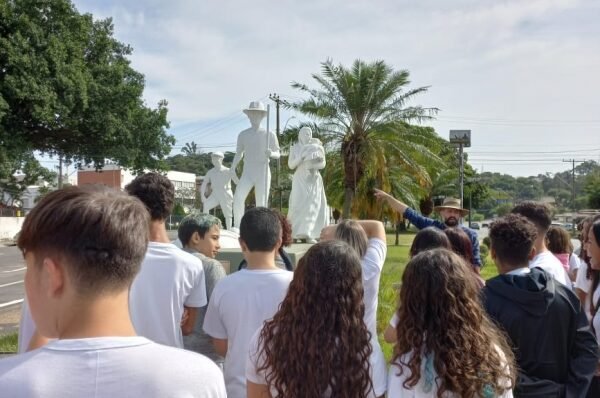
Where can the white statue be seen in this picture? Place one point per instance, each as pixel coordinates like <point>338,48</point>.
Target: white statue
<point>219,178</point>
<point>257,147</point>
<point>308,212</point>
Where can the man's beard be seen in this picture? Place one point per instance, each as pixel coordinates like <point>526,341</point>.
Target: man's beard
<point>451,221</point>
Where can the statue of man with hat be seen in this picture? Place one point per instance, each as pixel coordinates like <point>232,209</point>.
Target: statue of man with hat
<point>450,211</point>
<point>256,146</point>
<point>219,178</point>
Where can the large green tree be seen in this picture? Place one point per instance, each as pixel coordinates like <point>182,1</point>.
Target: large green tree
<point>363,109</point>
<point>592,188</point>
<point>67,89</point>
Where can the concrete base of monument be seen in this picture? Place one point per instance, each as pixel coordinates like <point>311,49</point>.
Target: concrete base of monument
<point>231,258</point>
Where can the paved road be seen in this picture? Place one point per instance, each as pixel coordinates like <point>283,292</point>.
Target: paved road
<point>12,272</point>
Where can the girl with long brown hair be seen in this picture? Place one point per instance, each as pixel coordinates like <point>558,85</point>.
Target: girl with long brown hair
<point>586,274</point>
<point>447,346</point>
<point>317,344</point>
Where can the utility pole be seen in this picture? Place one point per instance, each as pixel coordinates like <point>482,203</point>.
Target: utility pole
<point>461,138</point>
<point>275,98</point>
<point>60,172</point>
<point>573,161</point>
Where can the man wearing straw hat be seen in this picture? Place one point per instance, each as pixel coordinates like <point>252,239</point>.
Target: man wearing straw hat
<point>450,211</point>
<point>256,146</point>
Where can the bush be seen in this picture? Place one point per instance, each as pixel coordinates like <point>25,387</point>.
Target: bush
<point>487,242</point>
<point>477,217</point>
<point>178,210</point>
<point>483,254</point>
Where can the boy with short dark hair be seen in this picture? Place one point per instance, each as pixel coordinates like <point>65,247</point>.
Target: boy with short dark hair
<point>539,214</point>
<point>199,234</point>
<point>170,288</point>
<point>555,349</point>
<point>241,302</point>
<point>83,247</point>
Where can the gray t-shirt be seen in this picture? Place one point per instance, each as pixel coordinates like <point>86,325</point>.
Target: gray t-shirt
<point>199,341</point>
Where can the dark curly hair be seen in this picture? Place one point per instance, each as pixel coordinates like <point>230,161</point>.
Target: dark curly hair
<point>427,239</point>
<point>536,212</point>
<point>512,238</point>
<point>156,192</point>
<point>441,315</point>
<point>318,342</point>
<point>286,229</point>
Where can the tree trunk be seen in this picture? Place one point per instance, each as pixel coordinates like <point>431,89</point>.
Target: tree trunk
<point>348,196</point>
<point>353,171</point>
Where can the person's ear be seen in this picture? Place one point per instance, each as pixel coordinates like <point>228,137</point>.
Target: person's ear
<point>532,254</point>
<point>243,245</point>
<point>55,277</point>
<point>195,238</point>
<point>279,243</point>
<point>493,253</point>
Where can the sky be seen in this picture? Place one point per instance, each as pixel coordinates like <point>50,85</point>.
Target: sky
<point>521,75</point>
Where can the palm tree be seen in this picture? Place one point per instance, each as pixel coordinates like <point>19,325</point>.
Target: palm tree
<point>363,109</point>
<point>190,148</point>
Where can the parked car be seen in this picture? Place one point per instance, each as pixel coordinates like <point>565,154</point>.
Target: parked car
<point>474,225</point>
<point>485,225</point>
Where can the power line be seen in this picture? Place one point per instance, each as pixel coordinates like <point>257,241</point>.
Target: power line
<point>503,120</point>
<point>533,152</point>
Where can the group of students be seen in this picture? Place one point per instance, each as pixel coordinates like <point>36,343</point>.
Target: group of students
<point>113,302</point>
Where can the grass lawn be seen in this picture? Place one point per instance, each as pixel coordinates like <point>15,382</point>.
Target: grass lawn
<point>8,343</point>
<point>397,258</point>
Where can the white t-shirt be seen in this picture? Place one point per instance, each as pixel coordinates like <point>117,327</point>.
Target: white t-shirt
<point>585,285</point>
<point>239,305</point>
<point>169,279</point>
<point>372,264</point>
<point>26,327</point>
<point>110,367</point>
<point>423,388</point>
<point>253,361</point>
<point>549,263</point>
<point>574,262</point>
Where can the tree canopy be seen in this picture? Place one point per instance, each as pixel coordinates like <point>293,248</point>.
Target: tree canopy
<point>363,110</point>
<point>67,89</point>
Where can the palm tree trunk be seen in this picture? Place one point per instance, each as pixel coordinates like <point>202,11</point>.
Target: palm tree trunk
<point>348,196</point>
<point>353,171</point>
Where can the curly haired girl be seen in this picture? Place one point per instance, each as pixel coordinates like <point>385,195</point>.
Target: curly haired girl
<point>447,346</point>
<point>317,345</point>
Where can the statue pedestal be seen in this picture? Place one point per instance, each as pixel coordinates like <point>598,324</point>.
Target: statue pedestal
<point>233,256</point>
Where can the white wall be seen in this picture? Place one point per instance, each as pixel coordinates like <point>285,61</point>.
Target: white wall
<point>9,226</point>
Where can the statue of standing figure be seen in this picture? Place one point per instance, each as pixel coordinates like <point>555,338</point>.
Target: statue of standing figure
<point>219,178</point>
<point>256,146</point>
<point>308,211</point>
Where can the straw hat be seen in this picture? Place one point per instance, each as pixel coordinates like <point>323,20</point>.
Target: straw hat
<point>451,203</point>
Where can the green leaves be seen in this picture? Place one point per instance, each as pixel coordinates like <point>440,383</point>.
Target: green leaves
<point>67,88</point>
<point>362,110</point>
